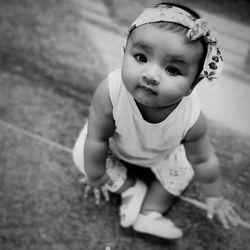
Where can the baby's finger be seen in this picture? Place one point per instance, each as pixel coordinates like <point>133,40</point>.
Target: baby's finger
<point>210,212</point>
<point>86,191</point>
<point>244,223</point>
<point>231,204</point>
<point>210,215</point>
<point>233,216</point>
<point>223,219</point>
<point>97,196</point>
<point>105,193</point>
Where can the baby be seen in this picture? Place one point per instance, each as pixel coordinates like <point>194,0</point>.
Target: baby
<point>147,114</point>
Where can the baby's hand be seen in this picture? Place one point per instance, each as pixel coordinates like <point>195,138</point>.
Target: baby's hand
<point>223,209</point>
<point>98,186</point>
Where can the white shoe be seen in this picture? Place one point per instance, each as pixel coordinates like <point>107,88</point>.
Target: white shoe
<point>154,223</point>
<point>131,204</point>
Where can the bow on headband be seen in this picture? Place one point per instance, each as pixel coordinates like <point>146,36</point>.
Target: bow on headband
<point>198,28</point>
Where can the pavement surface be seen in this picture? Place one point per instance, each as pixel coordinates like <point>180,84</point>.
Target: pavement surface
<point>227,100</point>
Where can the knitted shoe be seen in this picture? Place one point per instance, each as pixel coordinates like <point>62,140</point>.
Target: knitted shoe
<point>155,224</point>
<point>131,203</point>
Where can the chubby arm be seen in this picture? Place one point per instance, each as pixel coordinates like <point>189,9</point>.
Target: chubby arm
<point>200,154</point>
<point>101,126</point>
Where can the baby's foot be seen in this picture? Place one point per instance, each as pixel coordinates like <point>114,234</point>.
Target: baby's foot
<point>132,200</point>
<point>154,223</point>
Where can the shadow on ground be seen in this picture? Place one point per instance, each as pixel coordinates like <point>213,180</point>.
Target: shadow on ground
<point>49,70</point>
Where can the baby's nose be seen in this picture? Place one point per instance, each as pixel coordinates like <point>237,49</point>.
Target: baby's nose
<point>152,76</point>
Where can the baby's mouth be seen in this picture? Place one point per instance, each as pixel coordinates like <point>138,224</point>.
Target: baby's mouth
<point>148,89</point>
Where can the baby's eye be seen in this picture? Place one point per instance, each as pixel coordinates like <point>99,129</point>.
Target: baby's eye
<point>172,70</point>
<point>141,58</point>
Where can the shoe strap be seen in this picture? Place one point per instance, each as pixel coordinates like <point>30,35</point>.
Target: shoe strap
<point>156,215</point>
<point>128,192</point>
<point>153,215</point>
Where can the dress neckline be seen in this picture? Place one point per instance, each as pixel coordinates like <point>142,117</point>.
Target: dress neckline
<point>137,112</point>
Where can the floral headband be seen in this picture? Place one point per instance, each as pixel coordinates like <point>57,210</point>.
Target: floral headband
<point>198,28</point>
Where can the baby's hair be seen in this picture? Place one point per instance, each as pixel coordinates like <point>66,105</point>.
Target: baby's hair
<point>187,9</point>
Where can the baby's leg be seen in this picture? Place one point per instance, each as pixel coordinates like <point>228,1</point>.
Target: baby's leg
<point>172,177</point>
<point>151,220</point>
<point>157,199</point>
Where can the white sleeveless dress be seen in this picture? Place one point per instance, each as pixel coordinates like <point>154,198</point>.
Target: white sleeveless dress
<point>155,146</point>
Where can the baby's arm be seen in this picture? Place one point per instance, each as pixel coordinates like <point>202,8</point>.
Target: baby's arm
<point>201,155</point>
<point>101,126</point>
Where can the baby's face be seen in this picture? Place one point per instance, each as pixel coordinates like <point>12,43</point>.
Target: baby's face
<point>160,66</point>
